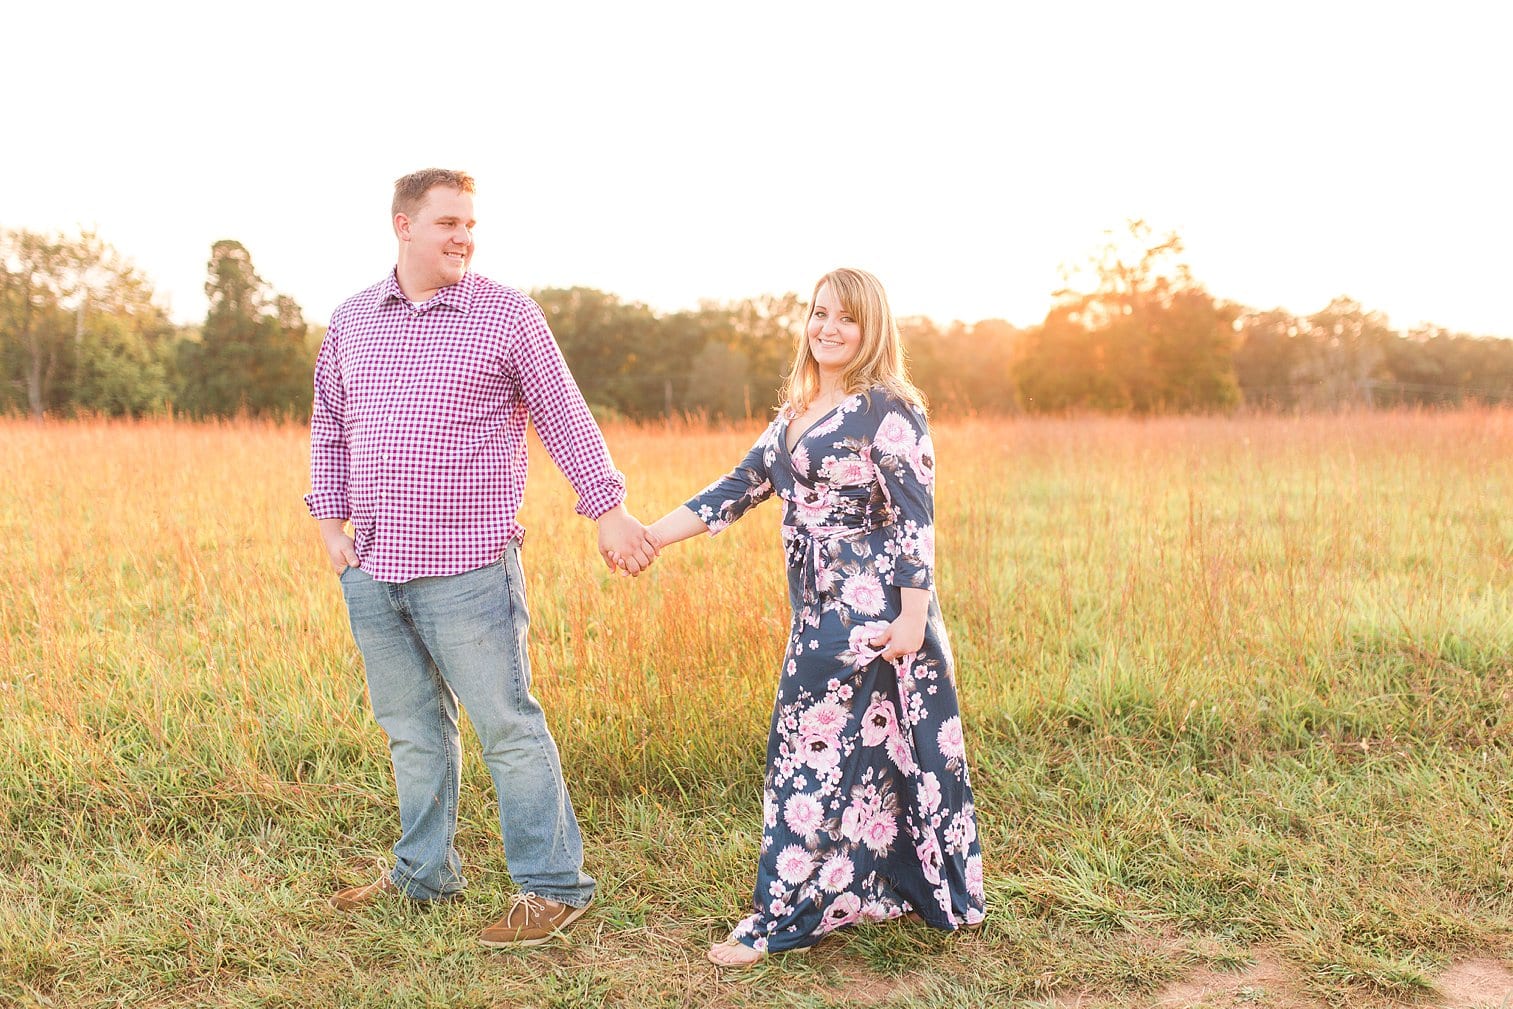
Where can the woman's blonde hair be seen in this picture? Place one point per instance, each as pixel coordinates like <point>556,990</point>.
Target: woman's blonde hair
<point>879,361</point>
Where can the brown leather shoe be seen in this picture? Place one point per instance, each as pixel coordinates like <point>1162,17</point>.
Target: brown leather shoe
<point>354,897</point>
<point>530,921</point>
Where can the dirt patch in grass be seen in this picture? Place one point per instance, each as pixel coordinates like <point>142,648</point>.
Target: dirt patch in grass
<point>1482,983</point>
<point>1476,984</point>
<point>867,989</point>
<point>1266,984</point>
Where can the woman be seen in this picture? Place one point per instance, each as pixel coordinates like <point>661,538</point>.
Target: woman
<point>868,805</point>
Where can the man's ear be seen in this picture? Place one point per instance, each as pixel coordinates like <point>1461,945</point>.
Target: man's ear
<point>402,227</point>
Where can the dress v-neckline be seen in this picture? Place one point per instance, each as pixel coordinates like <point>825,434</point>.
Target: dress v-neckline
<point>788,449</point>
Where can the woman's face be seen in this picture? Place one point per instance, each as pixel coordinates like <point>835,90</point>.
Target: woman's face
<point>834,336</point>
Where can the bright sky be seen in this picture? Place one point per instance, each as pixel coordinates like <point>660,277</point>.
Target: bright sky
<point>669,152</point>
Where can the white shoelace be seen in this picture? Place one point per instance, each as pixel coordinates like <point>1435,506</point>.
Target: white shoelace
<point>530,902</point>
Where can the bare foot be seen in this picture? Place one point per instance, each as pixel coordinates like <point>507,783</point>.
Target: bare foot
<point>733,953</point>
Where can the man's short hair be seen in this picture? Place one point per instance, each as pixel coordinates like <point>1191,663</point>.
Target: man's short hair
<point>410,191</point>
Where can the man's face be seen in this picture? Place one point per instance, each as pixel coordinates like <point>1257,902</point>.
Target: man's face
<point>438,237</point>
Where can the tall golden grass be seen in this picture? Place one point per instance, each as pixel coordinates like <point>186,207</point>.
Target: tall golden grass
<point>1264,627</point>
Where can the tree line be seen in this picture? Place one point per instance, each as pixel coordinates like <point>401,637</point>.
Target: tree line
<point>81,334</point>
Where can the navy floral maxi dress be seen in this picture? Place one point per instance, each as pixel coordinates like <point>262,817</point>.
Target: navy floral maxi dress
<point>867,805</point>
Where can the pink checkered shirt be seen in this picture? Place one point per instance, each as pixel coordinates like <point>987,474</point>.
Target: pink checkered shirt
<point>418,429</point>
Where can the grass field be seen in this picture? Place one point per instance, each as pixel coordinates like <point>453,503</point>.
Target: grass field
<point>1239,701</point>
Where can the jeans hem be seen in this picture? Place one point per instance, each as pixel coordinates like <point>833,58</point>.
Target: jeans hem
<point>425,895</point>
<point>561,898</point>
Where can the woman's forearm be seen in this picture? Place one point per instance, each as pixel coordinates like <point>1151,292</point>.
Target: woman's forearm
<point>915,603</point>
<point>678,524</point>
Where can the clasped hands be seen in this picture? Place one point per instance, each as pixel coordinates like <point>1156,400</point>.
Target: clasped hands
<point>624,542</point>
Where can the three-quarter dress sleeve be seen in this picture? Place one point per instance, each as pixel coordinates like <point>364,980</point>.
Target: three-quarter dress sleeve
<point>903,458</point>
<point>740,490</point>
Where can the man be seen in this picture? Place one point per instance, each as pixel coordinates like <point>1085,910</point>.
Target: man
<point>423,388</point>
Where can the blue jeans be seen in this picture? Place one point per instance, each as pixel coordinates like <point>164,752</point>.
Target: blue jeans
<point>427,644</point>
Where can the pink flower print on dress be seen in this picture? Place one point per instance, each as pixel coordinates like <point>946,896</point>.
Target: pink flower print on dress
<point>803,814</point>
<point>836,873</point>
<point>928,852</point>
<point>864,594</point>
<point>795,864</point>
<point>922,459</point>
<point>845,909</point>
<point>949,738</point>
<point>879,721</point>
<point>846,471</point>
<point>900,753</point>
<point>831,423</point>
<point>813,508</point>
<point>825,718</point>
<point>820,751</point>
<point>879,832</point>
<point>800,457</point>
<point>856,816</point>
<point>861,650</point>
<point>895,436</point>
<point>924,545</point>
<point>825,579</point>
<point>968,829</point>
<point>929,793</point>
<point>974,877</point>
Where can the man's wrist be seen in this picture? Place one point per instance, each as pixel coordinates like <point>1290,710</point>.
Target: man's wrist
<point>618,511</point>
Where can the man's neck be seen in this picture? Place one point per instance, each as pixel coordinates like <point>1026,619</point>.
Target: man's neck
<point>416,290</point>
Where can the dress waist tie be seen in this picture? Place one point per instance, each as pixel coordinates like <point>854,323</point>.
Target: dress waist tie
<point>804,550</point>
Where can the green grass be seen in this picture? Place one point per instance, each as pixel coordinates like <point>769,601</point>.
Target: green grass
<point>1232,688</point>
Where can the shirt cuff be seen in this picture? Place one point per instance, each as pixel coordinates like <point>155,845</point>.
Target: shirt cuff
<point>328,504</point>
<point>606,495</point>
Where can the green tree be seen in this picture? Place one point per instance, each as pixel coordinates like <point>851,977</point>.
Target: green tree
<point>252,354</point>
<point>963,368</point>
<point>1349,355</point>
<point>744,351</point>
<point>38,277</point>
<point>719,382</point>
<point>1145,338</point>
<point>78,327</point>
<point>1270,354</point>
<point>763,330</point>
<point>606,343</point>
<point>125,350</point>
